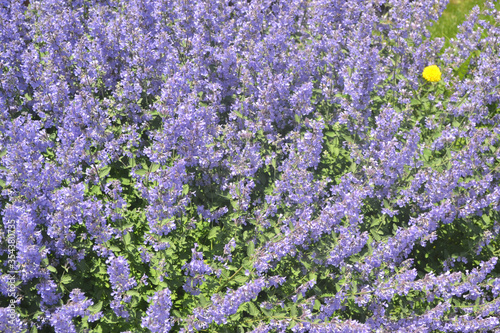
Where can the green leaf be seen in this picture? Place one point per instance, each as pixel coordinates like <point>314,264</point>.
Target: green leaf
<point>126,238</point>
<point>427,154</point>
<point>236,317</point>
<point>104,171</point>
<point>253,310</point>
<point>133,293</point>
<point>66,279</point>
<point>52,269</point>
<point>476,304</point>
<point>250,248</point>
<point>240,279</point>
<point>141,172</point>
<point>95,189</point>
<point>114,248</point>
<point>96,307</point>
<point>131,162</point>
<point>154,167</point>
<point>375,235</point>
<point>203,301</point>
<point>213,232</point>
<point>239,114</point>
<point>386,204</point>
<point>293,310</point>
<point>37,314</point>
<point>415,102</point>
<point>125,181</point>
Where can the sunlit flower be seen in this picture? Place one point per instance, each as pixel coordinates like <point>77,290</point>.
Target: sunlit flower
<point>432,73</point>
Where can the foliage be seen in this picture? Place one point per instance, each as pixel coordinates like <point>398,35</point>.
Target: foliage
<point>247,166</point>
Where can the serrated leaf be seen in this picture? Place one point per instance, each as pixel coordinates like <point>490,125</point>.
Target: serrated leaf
<point>131,163</point>
<point>125,181</point>
<point>386,204</point>
<point>293,310</point>
<point>66,279</point>
<point>126,238</point>
<point>104,171</point>
<point>476,304</point>
<point>236,316</point>
<point>95,189</point>
<point>253,310</point>
<point>427,154</point>
<point>203,301</point>
<point>250,248</point>
<point>212,234</point>
<point>240,279</point>
<point>154,167</point>
<point>415,102</point>
<point>114,248</point>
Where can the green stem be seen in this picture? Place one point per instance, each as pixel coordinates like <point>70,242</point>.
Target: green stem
<point>229,279</point>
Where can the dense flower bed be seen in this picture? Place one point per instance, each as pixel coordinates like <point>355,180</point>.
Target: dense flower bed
<point>248,166</point>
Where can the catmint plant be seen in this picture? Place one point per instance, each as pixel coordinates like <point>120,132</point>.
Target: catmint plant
<point>248,166</point>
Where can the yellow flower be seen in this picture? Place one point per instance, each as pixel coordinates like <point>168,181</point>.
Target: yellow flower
<point>432,73</point>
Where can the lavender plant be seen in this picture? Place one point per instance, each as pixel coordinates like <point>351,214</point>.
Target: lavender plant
<point>248,166</point>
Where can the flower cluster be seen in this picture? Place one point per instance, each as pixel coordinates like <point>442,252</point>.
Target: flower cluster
<point>263,165</point>
<point>157,317</point>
